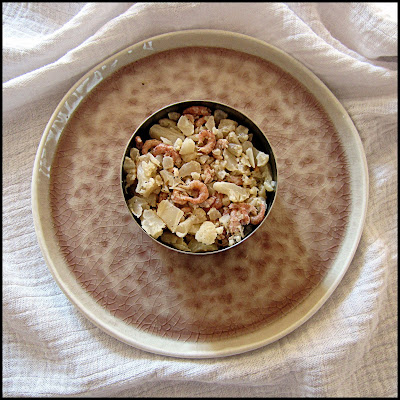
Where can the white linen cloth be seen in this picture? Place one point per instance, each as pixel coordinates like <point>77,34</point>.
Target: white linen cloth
<point>347,349</point>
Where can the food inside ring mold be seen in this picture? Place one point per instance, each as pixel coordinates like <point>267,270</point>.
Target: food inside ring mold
<point>196,179</point>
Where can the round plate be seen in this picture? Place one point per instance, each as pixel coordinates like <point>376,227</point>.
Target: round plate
<point>217,305</point>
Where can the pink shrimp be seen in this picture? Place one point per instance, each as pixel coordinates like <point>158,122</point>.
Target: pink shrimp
<point>240,215</point>
<point>201,121</point>
<point>208,174</point>
<point>218,200</point>
<point>180,198</point>
<point>202,190</point>
<point>167,150</point>
<point>139,142</point>
<point>237,180</point>
<point>207,203</point>
<point>197,111</point>
<point>211,141</point>
<point>149,144</point>
<point>260,215</point>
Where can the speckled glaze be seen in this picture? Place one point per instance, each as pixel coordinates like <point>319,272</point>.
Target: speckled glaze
<point>213,298</point>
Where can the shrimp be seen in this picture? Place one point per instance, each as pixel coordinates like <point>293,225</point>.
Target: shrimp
<point>187,210</point>
<point>211,141</point>
<point>162,196</point>
<point>139,142</point>
<point>240,215</point>
<point>149,144</point>
<point>218,200</point>
<point>180,198</point>
<point>197,111</point>
<point>208,174</point>
<point>201,121</point>
<point>167,150</point>
<point>260,215</point>
<point>237,180</point>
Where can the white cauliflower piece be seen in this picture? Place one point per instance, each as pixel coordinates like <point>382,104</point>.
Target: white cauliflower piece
<point>157,132</point>
<point>174,116</point>
<point>236,194</point>
<point>214,214</point>
<point>129,165</point>
<point>227,125</point>
<point>167,123</point>
<point>174,241</point>
<point>146,174</point>
<point>167,162</point>
<point>137,205</point>
<point>188,147</point>
<point>207,233</point>
<point>189,167</point>
<point>262,159</point>
<point>210,124</point>
<point>198,247</point>
<point>184,227</point>
<point>250,155</point>
<point>152,223</point>
<point>170,214</point>
<point>185,125</point>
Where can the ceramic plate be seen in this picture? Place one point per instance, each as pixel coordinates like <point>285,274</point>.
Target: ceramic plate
<point>216,305</point>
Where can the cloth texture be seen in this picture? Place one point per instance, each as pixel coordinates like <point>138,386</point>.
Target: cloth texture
<point>347,349</point>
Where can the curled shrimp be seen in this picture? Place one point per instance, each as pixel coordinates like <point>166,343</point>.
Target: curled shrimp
<point>181,198</point>
<point>237,180</point>
<point>255,220</point>
<point>167,150</point>
<point>211,141</point>
<point>197,111</point>
<point>240,215</point>
<point>218,200</point>
<point>149,144</point>
<point>208,174</point>
<point>201,121</point>
<point>139,142</point>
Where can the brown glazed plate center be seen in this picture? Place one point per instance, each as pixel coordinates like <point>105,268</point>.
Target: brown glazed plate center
<point>173,303</point>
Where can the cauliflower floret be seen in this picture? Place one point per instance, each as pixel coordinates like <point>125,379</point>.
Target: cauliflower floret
<point>250,155</point>
<point>210,124</point>
<point>152,223</point>
<point>188,147</point>
<point>188,168</point>
<point>227,125</point>
<point>137,205</point>
<point>213,214</point>
<point>198,247</point>
<point>207,233</point>
<point>129,165</point>
<point>236,194</point>
<point>186,127</point>
<point>262,159</point>
<point>175,241</point>
<point>170,214</point>
<point>184,227</point>
<point>172,133</point>
<point>146,182</point>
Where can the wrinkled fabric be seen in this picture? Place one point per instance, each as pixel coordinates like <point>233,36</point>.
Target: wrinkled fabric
<point>348,348</point>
